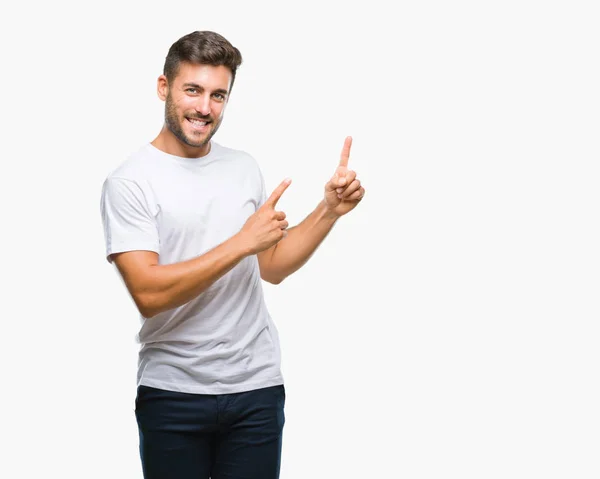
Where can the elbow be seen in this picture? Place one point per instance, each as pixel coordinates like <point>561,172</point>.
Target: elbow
<point>269,278</point>
<point>146,305</point>
<point>147,313</point>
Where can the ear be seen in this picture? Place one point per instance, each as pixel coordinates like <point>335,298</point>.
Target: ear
<point>162,87</point>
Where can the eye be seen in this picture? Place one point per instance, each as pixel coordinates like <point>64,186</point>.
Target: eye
<point>193,91</point>
<point>219,96</point>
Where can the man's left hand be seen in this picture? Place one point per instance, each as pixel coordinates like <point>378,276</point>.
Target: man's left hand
<point>343,191</point>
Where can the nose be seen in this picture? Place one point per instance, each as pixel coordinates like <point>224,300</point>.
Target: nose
<point>203,105</point>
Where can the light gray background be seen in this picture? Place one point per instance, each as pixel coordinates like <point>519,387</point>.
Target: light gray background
<point>448,327</point>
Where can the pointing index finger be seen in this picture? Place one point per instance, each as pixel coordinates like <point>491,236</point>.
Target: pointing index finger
<point>345,156</point>
<point>274,198</point>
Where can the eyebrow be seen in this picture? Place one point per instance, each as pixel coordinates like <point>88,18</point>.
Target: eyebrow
<point>199,87</point>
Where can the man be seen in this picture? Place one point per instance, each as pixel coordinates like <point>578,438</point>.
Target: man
<point>191,231</point>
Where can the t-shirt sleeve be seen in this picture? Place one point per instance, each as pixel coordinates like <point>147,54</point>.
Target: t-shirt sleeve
<point>127,218</point>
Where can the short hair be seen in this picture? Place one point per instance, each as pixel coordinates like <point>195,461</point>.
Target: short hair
<point>202,47</point>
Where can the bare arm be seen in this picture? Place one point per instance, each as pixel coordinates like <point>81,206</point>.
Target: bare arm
<point>342,193</point>
<point>156,288</point>
<point>290,254</point>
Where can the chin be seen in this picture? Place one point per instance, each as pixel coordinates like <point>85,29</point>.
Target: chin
<point>197,141</point>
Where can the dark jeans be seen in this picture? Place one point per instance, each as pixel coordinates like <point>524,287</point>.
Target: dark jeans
<point>221,436</point>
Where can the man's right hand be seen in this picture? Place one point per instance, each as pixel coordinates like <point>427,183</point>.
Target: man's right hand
<point>266,227</point>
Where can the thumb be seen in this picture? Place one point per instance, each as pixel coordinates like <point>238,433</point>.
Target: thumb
<point>338,179</point>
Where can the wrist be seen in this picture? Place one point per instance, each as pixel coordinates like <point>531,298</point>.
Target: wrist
<point>328,213</point>
<point>240,245</point>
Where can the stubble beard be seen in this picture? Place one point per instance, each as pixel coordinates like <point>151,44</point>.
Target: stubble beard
<point>175,125</point>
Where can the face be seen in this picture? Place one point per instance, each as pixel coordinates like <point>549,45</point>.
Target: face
<point>195,103</point>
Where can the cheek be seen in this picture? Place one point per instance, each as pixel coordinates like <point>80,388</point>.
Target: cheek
<point>218,110</point>
<point>183,105</point>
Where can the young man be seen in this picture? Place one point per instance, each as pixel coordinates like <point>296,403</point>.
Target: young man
<point>191,231</point>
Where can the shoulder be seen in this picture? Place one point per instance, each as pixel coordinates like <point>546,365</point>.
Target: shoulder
<point>135,168</point>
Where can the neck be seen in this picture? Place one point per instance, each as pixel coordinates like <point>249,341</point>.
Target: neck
<point>169,143</point>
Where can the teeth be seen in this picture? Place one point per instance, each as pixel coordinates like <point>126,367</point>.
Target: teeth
<point>197,122</point>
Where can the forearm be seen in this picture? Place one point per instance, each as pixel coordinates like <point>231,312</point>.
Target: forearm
<point>172,285</point>
<point>291,253</point>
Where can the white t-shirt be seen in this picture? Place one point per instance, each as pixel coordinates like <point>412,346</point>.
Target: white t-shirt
<point>224,340</point>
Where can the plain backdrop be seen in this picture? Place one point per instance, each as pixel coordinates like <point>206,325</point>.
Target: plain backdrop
<point>447,328</point>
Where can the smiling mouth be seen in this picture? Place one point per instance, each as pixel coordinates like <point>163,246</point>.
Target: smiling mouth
<point>198,124</point>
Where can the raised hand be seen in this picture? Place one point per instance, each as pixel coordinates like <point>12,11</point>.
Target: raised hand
<point>343,191</point>
<point>267,226</point>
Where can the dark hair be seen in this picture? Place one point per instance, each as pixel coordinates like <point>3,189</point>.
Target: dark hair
<point>208,48</point>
